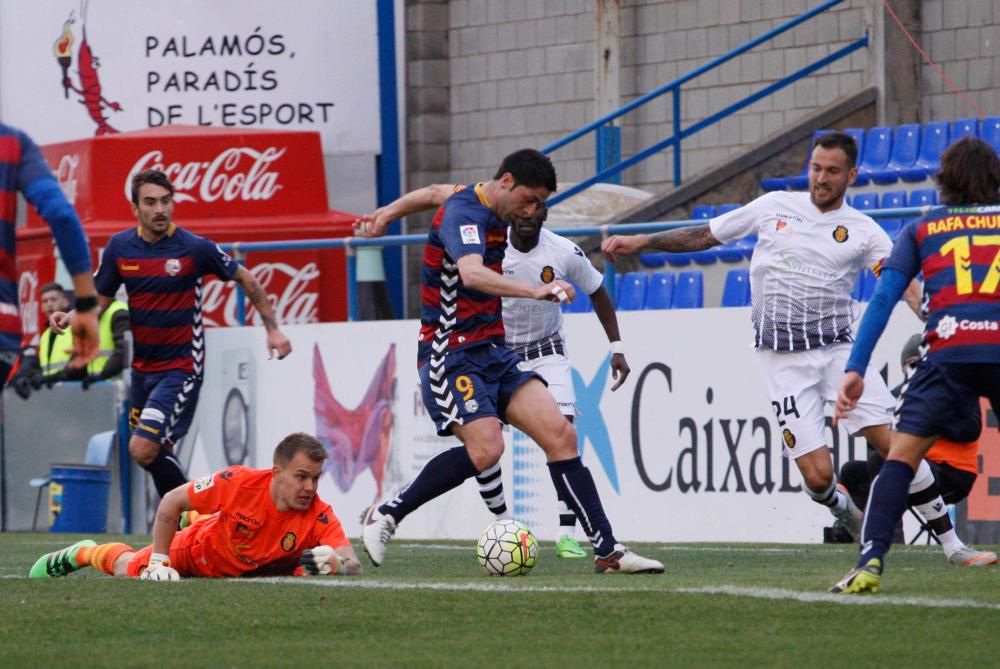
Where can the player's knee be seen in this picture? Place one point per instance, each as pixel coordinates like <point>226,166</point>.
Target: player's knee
<point>563,444</point>
<point>817,481</point>
<point>143,451</point>
<point>485,455</point>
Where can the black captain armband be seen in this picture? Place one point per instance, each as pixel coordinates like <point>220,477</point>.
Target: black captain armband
<point>85,304</point>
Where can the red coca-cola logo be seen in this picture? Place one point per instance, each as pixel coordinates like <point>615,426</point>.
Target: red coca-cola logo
<point>292,291</point>
<point>237,173</point>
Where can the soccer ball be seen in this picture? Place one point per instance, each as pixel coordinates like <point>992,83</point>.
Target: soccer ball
<point>507,548</point>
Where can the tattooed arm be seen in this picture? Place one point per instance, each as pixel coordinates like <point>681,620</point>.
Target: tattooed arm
<point>276,341</point>
<point>678,240</point>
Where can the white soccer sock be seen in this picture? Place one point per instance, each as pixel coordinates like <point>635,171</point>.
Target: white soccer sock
<point>934,509</point>
<point>833,497</point>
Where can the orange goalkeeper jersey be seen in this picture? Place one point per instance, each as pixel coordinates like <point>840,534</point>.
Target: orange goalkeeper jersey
<point>247,535</point>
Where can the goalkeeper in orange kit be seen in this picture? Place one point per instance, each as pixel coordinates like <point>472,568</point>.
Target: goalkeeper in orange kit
<point>263,522</point>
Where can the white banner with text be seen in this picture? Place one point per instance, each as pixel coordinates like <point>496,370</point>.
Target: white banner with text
<point>687,450</point>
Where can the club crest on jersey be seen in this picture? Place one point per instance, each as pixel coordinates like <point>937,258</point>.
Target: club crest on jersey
<point>288,542</point>
<point>547,274</point>
<point>471,406</point>
<point>780,225</point>
<point>172,266</point>
<point>789,438</point>
<point>470,234</point>
<point>840,234</point>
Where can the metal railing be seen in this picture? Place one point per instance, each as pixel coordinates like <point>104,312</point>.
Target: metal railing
<point>605,172</point>
<point>349,244</point>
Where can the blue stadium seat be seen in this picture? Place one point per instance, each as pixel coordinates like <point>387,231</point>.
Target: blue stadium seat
<point>892,226</point>
<point>989,131</point>
<point>747,244</point>
<point>734,251</point>
<point>878,148</point>
<point>933,142</point>
<point>726,208</point>
<point>859,138</point>
<point>865,201</point>
<point>689,291</point>
<point>905,148</point>
<point>865,286</point>
<point>706,257</point>
<point>580,305</point>
<point>798,182</point>
<point>654,260</point>
<point>736,292</point>
<point>632,293</point>
<point>922,197</point>
<point>703,211</point>
<point>893,199</point>
<point>660,290</point>
<point>962,127</point>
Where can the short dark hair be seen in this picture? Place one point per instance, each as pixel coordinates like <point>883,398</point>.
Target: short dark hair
<point>50,286</point>
<point>529,168</point>
<point>970,173</point>
<point>298,442</point>
<point>842,141</point>
<point>149,177</point>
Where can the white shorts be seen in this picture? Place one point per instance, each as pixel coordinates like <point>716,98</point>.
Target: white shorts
<point>802,383</point>
<point>557,371</point>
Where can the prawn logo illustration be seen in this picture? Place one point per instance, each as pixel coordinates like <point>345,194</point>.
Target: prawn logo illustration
<point>356,439</point>
<point>88,85</point>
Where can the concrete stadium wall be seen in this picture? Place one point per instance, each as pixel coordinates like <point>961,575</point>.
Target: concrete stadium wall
<point>963,38</point>
<point>520,73</point>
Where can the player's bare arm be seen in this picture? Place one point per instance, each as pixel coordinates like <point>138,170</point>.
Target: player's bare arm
<point>86,335</point>
<point>914,297</point>
<point>277,342</point>
<point>60,320</point>
<point>678,240</point>
<point>477,276</point>
<point>605,311</point>
<point>422,199</point>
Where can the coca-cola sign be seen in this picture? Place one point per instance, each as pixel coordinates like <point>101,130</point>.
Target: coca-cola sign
<point>239,173</point>
<point>292,291</point>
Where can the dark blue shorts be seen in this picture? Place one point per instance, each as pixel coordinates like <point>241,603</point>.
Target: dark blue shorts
<point>471,383</point>
<point>162,404</point>
<point>943,399</point>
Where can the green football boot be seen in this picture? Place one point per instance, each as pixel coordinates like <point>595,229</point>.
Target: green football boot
<point>59,563</point>
<point>567,547</point>
<point>861,579</point>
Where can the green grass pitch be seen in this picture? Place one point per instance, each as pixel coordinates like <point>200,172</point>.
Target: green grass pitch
<point>430,605</point>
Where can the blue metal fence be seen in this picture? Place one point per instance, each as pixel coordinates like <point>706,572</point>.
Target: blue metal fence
<point>240,249</point>
<point>604,140</point>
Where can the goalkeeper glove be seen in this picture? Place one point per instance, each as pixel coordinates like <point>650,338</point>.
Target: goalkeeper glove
<point>159,569</point>
<point>322,560</point>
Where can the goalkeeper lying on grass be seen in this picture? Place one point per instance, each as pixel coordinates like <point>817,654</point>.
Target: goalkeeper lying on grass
<point>262,523</point>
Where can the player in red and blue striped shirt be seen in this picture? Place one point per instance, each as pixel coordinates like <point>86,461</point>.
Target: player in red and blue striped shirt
<point>957,247</point>
<point>470,380</point>
<point>24,170</point>
<point>163,267</point>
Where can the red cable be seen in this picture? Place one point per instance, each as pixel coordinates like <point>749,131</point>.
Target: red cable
<point>944,77</point>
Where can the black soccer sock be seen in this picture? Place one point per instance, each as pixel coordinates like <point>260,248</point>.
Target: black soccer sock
<point>575,485</point>
<point>166,472</point>
<point>491,489</point>
<point>446,470</point>
<point>886,505</point>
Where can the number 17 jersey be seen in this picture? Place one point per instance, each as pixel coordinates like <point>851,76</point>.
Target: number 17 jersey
<point>958,251</point>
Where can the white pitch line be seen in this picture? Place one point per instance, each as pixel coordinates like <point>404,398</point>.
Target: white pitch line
<point>731,590</point>
<point>829,597</point>
<point>665,549</point>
